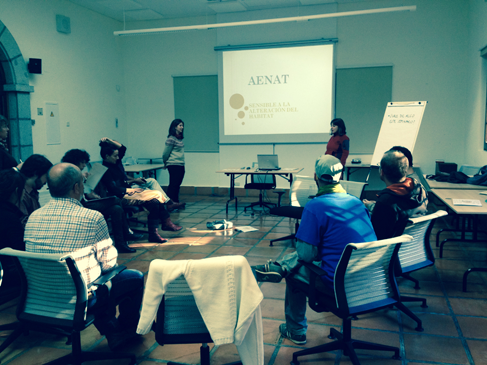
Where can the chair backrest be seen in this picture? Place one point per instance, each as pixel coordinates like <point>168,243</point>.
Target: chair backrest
<point>417,253</point>
<point>364,278</point>
<point>354,188</point>
<point>129,161</point>
<point>264,179</point>
<point>469,170</point>
<point>301,189</point>
<point>178,319</point>
<point>53,290</point>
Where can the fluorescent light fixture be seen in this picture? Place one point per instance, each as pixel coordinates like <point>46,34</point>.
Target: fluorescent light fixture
<point>264,21</point>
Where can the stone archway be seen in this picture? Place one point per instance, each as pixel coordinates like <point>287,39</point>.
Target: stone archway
<point>17,91</point>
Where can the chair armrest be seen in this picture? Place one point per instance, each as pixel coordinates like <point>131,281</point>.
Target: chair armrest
<point>313,293</point>
<point>107,276</point>
<point>316,270</point>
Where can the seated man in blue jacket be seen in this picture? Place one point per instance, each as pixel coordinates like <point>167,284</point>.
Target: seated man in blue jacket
<point>329,222</point>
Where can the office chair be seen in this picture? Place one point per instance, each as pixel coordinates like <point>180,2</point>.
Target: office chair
<point>364,282</point>
<point>260,182</point>
<point>302,188</point>
<point>354,188</point>
<point>215,298</point>
<point>54,298</point>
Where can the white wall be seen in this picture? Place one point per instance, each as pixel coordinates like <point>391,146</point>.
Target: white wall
<point>477,79</point>
<point>434,53</point>
<point>80,71</point>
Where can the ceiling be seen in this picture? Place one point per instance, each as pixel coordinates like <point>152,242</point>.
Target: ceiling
<point>139,10</point>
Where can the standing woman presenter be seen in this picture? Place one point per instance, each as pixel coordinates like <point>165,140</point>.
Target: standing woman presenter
<point>173,157</point>
<point>339,143</point>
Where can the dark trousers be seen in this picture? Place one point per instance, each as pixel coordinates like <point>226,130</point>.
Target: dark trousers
<point>112,208</point>
<point>176,176</point>
<point>127,291</point>
<point>157,210</point>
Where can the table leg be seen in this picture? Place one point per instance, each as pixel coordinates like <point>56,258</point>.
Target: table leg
<point>232,192</point>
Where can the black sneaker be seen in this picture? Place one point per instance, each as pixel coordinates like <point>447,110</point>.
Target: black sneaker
<point>270,272</point>
<point>297,339</point>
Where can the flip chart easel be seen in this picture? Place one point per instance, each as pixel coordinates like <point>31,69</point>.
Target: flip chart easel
<point>400,127</point>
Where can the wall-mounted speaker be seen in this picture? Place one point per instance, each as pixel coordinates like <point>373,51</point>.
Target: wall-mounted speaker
<point>63,24</point>
<point>35,65</point>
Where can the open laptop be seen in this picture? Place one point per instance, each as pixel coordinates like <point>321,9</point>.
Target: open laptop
<point>268,162</point>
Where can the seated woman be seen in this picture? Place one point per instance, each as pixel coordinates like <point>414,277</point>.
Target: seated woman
<point>111,208</point>
<point>144,183</point>
<point>11,229</point>
<point>115,182</point>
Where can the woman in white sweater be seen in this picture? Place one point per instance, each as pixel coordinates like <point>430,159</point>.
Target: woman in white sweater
<point>173,157</point>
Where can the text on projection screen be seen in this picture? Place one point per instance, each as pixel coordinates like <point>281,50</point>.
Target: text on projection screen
<point>278,91</point>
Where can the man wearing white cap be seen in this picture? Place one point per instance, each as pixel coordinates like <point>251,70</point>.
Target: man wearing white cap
<point>329,222</point>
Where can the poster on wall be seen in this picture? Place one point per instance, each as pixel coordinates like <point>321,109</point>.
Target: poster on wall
<point>53,129</point>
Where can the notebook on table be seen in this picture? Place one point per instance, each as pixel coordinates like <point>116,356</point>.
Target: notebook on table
<point>268,162</point>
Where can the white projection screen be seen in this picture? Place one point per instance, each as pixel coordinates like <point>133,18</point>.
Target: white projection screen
<point>277,95</point>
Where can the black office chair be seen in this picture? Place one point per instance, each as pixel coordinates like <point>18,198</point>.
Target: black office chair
<point>364,282</point>
<point>54,299</point>
<point>261,182</point>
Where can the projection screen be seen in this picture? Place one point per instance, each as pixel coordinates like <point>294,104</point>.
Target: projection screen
<point>277,95</point>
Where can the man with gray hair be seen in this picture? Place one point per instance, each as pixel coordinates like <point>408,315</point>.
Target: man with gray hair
<point>329,222</point>
<point>403,197</point>
<point>63,225</point>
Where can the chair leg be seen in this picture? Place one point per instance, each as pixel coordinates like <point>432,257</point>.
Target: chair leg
<point>290,237</point>
<point>364,345</point>
<point>415,299</point>
<point>77,356</point>
<point>410,314</point>
<point>409,277</point>
<point>18,330</point>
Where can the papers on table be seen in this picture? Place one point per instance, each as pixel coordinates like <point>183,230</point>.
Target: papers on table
<point>467,202</point>
<point>246,229</point>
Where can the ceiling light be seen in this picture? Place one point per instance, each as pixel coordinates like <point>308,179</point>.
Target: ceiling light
<point>263,21</point>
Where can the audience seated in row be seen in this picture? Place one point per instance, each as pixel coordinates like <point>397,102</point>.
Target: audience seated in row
<point>63,225</point>
<point>109,207</point>
<point>331,221</point>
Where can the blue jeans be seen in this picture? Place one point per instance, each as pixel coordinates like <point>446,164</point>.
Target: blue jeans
<point>127,291</point>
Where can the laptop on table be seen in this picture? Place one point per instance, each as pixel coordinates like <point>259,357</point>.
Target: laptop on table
<point>268,162</point>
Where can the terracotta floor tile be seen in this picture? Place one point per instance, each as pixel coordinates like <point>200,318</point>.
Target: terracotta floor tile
<point>201,248</point>
<point>230,250</point>
<point>473,327</point>
<point>142,266</point>
<point>272,308</point>
<point>435,304</point>
<point>469,307</point>
<point>156,254</point>
<point>242,242</point>
<point>271,253</point>
<point>434,348</point>
<point>274,290</point>
<point>189,256</point>
<point>432,323</point>
<point>383,319</point>
<point>478,349</point>
<point>39,355</point>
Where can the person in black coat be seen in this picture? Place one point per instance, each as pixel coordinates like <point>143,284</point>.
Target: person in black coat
<point>6,159</point>
<point>11,229</point>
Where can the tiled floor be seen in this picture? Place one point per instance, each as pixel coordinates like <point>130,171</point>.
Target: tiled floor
<point>455,323</point>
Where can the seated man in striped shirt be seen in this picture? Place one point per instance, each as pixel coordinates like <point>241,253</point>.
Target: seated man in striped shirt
<point>64,226</point>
